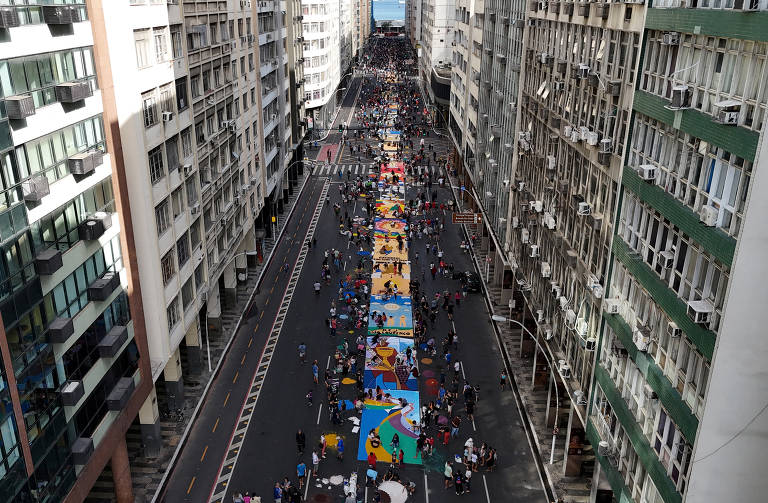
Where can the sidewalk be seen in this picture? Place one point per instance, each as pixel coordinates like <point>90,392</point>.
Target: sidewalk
<point>534,399</point>
<point>147,472</point>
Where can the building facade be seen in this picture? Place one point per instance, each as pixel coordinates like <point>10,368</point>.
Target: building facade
<point>677,398</point>
<point>75,362</point>
<point>323,70</point>
<point>436,51</point>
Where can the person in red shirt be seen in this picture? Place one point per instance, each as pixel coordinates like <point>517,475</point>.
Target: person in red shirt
<point>372,460</point>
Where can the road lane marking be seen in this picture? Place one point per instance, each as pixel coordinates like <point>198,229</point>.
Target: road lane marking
<point>237,374</point>
<point>236,440</point>
<point>261,315</point>
<point>272,289</point>
<point>204,453</point>
<point>215,426</point>
<point>487,496</point>
<point>426,489</point>
<point>226,399</point>
<point>318,412</point>
<point>191,483</point>
<point>327,365</point>
<point>251,340</point>
<point>243,360</point>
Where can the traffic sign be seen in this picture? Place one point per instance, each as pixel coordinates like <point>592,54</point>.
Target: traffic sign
<point>467,218</point>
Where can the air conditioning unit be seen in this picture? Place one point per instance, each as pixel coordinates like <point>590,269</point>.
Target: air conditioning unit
<point>673,330</point>
<point>647,172</point>
<point>534,251</point>
<point>537,206</point>
<point>524,235</point>
<point>612,306</point>
<point>540,316</point>
<point>604,449</point>
<point>613,88</point>
<point>670,38</point>
<point>515,222</point>
<point>570,317</point>
<point>549,221</point>
<point>581,399</point>
<point>194,209</point>
<point>575,135</point>
<point>708,215</point>
<point>558,85</point>
<point>666,258</point>
<point>546,270</point>
<point>567,130</point>
<point>548,335</point>
<point>584,208</point>
<point>649,393</point>
<point>563,303</point>
<point>728,112</point>
<point>187,169</point>
<point>9,17</point>
<point>583,132</point>
<point>606,145</point>
<point>582,72</point>
<point>20,106</point>
<point>681,97</point>
<point>642,338</point>
<point>590,343</point>
<point>167,116</point>
<point>592,138</point>
<point>72,92</point>
<point>700,311</point>
<point>564,368</point>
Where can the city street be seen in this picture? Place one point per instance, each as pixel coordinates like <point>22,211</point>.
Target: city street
<point>244,439</point>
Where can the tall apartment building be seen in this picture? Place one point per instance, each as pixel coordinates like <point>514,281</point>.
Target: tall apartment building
<point>204,111</point>
<point>413,24</point>
<point>679,396</point>
<point>363,14</point>
<point>578,71</point>
<point>436,53</point>
<point>322,59</point>
<point>465,80</point>
<point>75,363</point>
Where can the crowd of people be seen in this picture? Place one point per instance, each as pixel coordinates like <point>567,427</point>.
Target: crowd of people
<point>347,274</point>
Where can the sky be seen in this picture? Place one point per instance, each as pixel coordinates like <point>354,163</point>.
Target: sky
<point>388,9</point>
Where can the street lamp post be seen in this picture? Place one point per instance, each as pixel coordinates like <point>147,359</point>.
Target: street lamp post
<point>501,319</point>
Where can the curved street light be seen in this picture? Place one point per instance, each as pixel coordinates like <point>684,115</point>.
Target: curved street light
<point>501,319</point>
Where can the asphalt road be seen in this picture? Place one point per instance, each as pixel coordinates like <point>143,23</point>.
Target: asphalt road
<point>268,453</point>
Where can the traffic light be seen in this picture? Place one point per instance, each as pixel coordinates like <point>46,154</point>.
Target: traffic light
<point>341,128</point>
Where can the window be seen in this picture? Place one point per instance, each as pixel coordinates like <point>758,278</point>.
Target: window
<point>141,40</point>
<point>161,44</point>
<point>673,450</point>
<point>182,249</point>
<point>181,94</point>
<point>150,109</point>
<point>166,98</point>
<point>162,217</point>
<point>177,202</point>
<point>195,85</point>
<point>176,44</point>
<point>168,267</point>
<point>186,143</point>
<point>156,169</point>
<point>188,293</point>
<point>173,313</point>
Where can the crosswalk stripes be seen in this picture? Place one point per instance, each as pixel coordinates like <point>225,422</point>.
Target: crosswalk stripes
<point>363,169</point>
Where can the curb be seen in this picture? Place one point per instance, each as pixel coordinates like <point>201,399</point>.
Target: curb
<point>171,464</point>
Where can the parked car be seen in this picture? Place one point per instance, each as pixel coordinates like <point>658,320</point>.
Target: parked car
<point>470,279</point>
